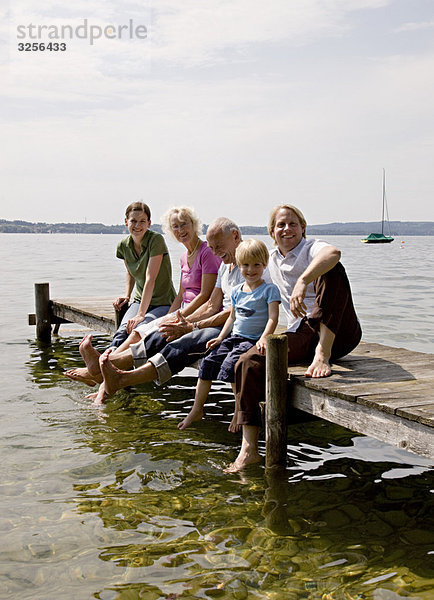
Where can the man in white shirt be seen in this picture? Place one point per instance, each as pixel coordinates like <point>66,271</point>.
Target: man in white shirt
<point>322,323</point>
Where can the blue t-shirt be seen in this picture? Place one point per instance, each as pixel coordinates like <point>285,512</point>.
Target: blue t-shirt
<point>251,309</point>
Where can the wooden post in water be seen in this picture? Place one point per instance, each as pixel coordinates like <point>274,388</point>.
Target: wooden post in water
<point>42,309</point>
<point>276,400</point>
<point>119,314</point>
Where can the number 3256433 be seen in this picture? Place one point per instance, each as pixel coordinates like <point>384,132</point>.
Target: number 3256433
<point>41,47</point>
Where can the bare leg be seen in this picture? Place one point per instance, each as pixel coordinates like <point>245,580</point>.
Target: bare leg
<point>249,450</point>
<point>196,413</point>
<point>133,338</point>
<point>233,426</point>
<point>320,366</point>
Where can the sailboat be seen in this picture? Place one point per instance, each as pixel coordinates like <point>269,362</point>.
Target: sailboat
<point>380,238</point>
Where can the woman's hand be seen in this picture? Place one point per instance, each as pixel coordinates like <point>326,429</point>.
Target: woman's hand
<point>132,323</point>
<point>119,302</point>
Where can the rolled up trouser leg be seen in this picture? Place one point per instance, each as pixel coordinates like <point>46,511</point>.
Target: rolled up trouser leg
<point>182,352</point>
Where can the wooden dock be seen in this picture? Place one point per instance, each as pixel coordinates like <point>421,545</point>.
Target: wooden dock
<point>377,390</point>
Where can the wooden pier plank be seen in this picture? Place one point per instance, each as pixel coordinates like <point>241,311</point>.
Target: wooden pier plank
<point>95,312</point>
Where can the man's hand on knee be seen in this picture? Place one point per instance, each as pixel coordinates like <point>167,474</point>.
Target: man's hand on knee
<point>176,329</point>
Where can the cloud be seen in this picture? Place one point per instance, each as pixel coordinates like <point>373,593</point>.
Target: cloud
<point>200,33</point>
<point>412,26</point>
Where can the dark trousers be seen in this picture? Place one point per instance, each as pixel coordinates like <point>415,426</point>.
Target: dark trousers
<point>334,308</point>
<point>220,362</point>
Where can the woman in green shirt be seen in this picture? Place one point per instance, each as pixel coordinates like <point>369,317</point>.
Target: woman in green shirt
<point>148,267</point>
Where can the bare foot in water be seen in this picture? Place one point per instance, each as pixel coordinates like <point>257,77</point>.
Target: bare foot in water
<point>113,377</point>
<point>91,373</point>
<point>82,375</point>
<point>320,366</point>
<point>98,397</point>
<point>243,460</point>
<point>90,357</point>
<point>196,414</point>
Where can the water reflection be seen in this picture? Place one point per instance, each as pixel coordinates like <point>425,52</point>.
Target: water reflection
<point>337,524</point>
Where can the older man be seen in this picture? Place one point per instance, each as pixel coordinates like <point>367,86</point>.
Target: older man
<point>178,344</point>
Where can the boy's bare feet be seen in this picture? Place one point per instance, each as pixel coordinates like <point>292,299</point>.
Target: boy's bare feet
<point>196,414</point>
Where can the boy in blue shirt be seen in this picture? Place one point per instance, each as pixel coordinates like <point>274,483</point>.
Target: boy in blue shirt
<point>254,315</point>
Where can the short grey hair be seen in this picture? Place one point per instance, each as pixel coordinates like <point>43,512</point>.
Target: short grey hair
<point>224,225</point>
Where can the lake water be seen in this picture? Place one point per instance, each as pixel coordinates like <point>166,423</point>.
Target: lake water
<point>118,504</point>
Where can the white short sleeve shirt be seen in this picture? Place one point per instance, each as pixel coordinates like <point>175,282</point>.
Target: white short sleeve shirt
<point>285,270</point>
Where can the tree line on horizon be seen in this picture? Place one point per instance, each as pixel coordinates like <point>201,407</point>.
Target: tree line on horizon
<point>353,228</point>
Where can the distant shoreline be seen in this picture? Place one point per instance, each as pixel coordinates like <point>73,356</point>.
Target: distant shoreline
<point>397,228</point>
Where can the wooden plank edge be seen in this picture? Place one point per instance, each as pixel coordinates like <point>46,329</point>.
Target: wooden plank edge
<point>91,321</point>
<point>402,433</point>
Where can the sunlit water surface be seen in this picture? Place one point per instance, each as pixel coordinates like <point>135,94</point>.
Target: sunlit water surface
<point>119,504</point>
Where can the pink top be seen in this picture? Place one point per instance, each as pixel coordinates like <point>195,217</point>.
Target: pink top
<point>191,277</point>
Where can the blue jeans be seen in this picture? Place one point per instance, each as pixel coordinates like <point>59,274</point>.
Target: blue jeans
<point>220,362</point>
<point>170,358</point>
<point>153,313</point>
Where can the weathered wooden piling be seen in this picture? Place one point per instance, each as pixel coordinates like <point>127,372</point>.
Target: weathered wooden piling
<point>276,393</point>
<point>42,310</point>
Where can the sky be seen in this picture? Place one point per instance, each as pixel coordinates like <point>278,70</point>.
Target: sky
<point>229,106</point>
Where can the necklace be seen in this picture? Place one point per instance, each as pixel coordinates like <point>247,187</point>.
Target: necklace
<point>195,248</point>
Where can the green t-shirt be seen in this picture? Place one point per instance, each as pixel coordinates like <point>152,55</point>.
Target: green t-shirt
<point>153,244</point>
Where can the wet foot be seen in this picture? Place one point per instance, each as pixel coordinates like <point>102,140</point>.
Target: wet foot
<point>98,397</point>
<point>243,460</point>
<point>113,376</point>
<point>193,416</point>
<point>82,375</point>
<point>91,358</point>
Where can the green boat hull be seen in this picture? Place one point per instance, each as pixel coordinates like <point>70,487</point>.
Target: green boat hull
<point>377,238</point>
